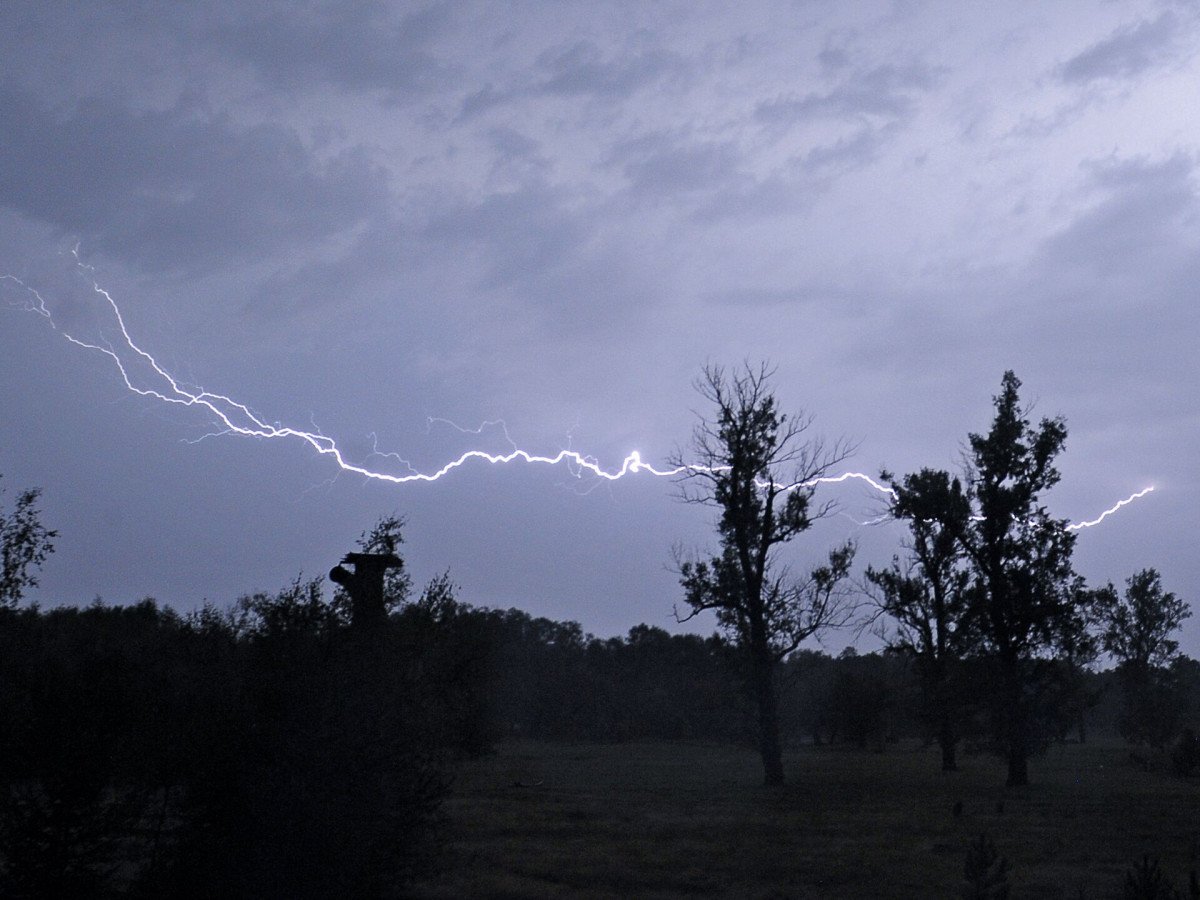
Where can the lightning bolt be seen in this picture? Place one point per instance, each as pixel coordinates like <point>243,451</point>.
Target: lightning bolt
<point>1089,523</point>
<point>233,417</point>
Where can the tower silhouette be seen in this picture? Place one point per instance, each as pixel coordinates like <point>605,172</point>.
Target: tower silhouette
<point>365,585</point>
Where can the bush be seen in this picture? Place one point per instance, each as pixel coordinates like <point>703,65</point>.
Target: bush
<point>1186,755</point>
<point>985,872</point>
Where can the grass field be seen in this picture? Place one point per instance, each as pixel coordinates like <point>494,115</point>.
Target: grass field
<point>670,820</point>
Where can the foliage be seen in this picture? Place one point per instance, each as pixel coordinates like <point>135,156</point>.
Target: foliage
<point>1021,557</point>
<point>1185,757</point>
<point>928,597</point>
<point>24,545</point>
<point>1146,881</point>
<point>1138,629</point>
<point>1025,591</point>
<point>265,751</point>
<point>755,465</point>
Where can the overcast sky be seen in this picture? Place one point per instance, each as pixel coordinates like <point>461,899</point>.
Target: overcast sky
<point>365,218</point>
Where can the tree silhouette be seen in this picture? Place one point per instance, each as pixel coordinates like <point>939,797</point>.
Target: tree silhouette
<point>1021,560</point>
<point>1138,627</point>
<point>24,545</point>
<point>756,466</point>
<point>927,595</point>
<point>1138,631</point>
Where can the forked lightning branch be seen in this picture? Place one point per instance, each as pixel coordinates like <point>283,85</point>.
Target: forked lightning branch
<point>143,375</point>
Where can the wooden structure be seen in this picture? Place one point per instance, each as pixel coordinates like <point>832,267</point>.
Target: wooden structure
<point>365,585</point>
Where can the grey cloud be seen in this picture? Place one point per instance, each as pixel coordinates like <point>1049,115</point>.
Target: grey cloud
<point>466,283</point>
<point>518,232</point>
<point>712,174</point>
<point>548,263</point>
<point>1109,299</point>
<point>578,70</point>
<point>790,190</point>
<point>661,164</point>
<point>1127,52</point>
<point>1138,221</point>
<point>356,46</point>
<point>516,155</point>
<point>833,59</point>
<point>849,152</point>
<point>771,298</point>
<point>885,91</point>
<point>581,70</point>
<point>175,188</point>
<point>708,178</point>
<point>480,101</point>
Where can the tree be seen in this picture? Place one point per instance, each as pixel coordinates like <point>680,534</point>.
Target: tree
<point>1137,632</point>
<point>1025,588</point>
<point>1138,628</point>
<point>927,596</point>
<point>759,469</point>
<point>24,545</point>
<point>1077,643</point>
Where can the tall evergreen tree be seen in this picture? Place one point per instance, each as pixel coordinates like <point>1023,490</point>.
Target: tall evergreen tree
<point>1025,587</point>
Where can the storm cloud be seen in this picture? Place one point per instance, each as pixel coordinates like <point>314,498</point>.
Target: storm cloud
<point>372,217</point>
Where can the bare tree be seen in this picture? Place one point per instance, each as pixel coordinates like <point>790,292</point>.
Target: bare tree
<point>760,469</point>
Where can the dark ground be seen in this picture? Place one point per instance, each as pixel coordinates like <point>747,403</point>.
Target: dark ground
<point>669,820</point>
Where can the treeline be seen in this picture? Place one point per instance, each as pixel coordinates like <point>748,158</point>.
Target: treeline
<point>273,749</point>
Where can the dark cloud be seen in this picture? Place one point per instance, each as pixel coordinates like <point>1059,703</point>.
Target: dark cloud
<point>1127,52</point>
<point>532,261</point>
<point>175,188</point>
<point>1138,226</point>
<point>710,180</point>
<point>354,46</point>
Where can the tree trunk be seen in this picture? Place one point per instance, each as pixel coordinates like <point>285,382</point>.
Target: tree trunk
<point>1018,764</point>
<point>948,743</point>
<point>1016,728</point>
<point>768,718</point>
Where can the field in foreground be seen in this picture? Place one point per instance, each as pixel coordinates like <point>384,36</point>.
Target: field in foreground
<point>667,820</point>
